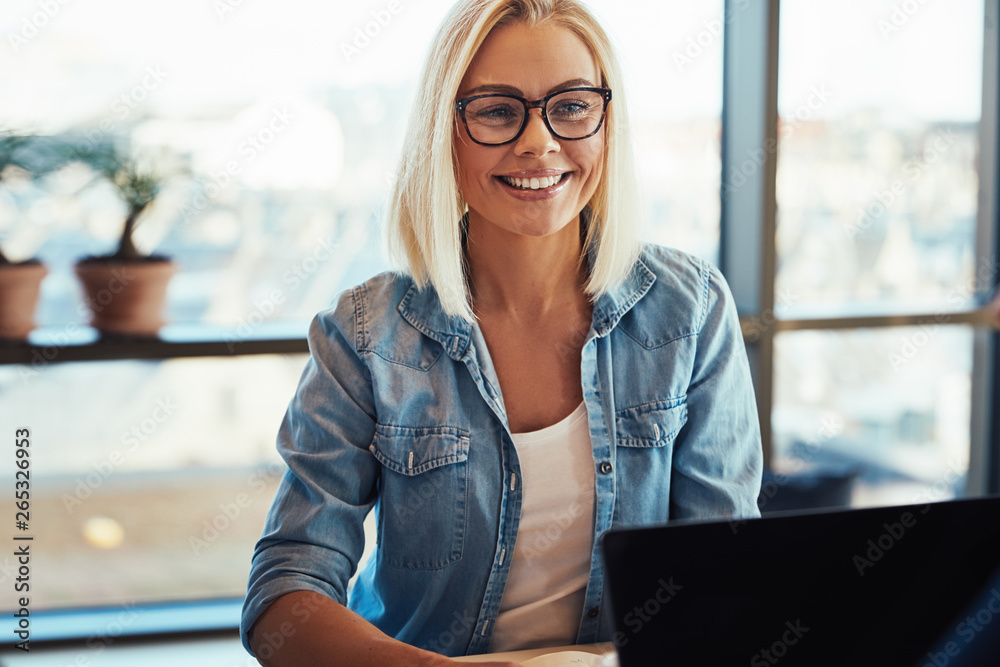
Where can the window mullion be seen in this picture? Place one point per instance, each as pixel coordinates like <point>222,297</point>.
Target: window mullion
<point>984,457</point>
<point>749,154</point>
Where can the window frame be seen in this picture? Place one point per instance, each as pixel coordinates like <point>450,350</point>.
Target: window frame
<point>747,231</point>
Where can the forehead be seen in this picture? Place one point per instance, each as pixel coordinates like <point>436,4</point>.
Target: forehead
<point>533,59</point>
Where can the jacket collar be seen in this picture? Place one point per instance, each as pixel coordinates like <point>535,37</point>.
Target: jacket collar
<point>422,309</point>
<point>613,304</point>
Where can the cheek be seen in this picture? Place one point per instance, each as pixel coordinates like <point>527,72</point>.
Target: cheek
<point>472,165</point>
<point>463,161</point>
<point>590,158</point>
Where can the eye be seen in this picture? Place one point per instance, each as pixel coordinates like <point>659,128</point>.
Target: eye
<point>568,109</point>
<point>494,113</point>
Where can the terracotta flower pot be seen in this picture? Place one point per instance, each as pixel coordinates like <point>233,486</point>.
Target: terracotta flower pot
<point>19,286</point>
<point>126,297</point>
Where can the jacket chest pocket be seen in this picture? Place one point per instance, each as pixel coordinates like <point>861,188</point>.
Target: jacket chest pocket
<point>644,460</point>
<point>651,425</point>
<point>423,495</point>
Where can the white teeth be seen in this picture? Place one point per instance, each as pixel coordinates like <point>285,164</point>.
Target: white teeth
<point>533,183</point>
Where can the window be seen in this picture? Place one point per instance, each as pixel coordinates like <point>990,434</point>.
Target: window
<point>877,178</point>
<point>850,401</point>
<point>672,56</point>
<point>877,187</point>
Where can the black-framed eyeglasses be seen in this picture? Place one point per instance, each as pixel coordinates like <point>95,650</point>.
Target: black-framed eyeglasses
<point>571,114</point>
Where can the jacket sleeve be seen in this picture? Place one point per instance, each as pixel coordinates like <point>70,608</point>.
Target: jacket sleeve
<point>718,460</point>
<point>313,536</point>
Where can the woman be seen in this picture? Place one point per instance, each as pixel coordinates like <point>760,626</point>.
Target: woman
<point>534,378</point>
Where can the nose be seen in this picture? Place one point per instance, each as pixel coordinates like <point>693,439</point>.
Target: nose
<point>536,140</point>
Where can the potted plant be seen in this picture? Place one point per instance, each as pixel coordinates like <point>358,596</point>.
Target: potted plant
<point>20,281</point>
<point>125,290</point>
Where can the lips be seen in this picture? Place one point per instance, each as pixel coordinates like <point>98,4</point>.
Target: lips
<point>532,183</point>
<point>534,186</point>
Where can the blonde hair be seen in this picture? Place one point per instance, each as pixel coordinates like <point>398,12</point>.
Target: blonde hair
<point>425,208</point>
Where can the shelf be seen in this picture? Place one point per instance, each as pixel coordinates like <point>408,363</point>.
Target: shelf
<point>82,343</point>
<point>135,620</point>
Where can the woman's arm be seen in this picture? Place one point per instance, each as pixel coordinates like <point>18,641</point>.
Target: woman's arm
<point>718,458</point>
<point>329,634</point>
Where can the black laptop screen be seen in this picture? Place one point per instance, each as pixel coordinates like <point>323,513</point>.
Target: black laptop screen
<point>911,586</point>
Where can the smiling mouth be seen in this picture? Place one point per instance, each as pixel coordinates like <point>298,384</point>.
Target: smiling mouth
<point>532,183</point>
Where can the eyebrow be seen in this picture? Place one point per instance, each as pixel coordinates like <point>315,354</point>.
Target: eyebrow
<point>511,90</point>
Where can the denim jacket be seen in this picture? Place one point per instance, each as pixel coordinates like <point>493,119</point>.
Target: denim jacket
<point>399,410</point>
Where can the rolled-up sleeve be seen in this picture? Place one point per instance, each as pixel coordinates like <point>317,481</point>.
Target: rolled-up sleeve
<point>718,460</point>
<point>313,537</point>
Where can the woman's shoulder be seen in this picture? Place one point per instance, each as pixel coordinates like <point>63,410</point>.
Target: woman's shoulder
<point>665,260</point>
<point>685,285</point>
<point>378,295</point>
<point>681,271</point>
<point>373,315</point>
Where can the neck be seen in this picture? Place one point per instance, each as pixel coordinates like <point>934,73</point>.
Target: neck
<point>524,276</point>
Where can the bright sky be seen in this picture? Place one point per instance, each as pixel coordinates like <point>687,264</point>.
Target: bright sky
<point>219,52</point>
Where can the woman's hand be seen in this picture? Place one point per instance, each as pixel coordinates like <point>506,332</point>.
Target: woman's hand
<point>434,660</point>
<point>448,662</point>
<point>306,629</point>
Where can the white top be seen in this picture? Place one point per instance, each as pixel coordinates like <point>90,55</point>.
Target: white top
<point>542,604</point>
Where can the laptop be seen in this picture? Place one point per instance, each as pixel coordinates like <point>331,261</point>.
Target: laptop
<point>913,586</point>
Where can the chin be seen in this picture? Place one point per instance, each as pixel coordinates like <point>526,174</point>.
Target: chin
<point>540,228</point>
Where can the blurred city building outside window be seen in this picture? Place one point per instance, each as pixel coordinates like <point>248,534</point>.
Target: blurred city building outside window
<point>877,191</point>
